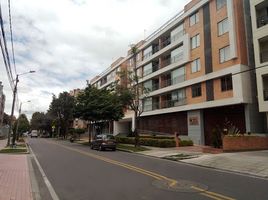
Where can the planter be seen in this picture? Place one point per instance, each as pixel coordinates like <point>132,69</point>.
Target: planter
<point>241,143</point>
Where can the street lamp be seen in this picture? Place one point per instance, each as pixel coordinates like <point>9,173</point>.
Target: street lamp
<point>18,121</point>
<point>12,109</point>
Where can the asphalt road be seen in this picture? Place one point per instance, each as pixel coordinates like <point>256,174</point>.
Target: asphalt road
<point>78,173</point>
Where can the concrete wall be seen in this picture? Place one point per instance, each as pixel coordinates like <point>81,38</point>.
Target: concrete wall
<point>195,123</point>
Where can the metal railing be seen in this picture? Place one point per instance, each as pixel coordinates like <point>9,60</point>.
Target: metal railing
<point>150,107</point>
<point>177,36</point>
<point>264,56</point>
<point>174,103</point>
<point>262,21</point>
<point>171,60</point>
<point>149,71</point>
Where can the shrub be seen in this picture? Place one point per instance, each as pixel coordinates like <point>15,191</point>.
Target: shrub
<point>184,143</point>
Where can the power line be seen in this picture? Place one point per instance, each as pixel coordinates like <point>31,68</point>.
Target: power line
<point>251,69</point>
<point>11,36</point>
<point>5,52</point>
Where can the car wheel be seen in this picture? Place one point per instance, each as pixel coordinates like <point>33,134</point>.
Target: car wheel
<point>100,148</point>
<point>91,146</point>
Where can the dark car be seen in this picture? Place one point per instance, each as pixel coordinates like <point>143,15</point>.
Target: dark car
<point>103,141</point>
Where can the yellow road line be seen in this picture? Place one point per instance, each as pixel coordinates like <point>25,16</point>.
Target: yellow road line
<point>212,193</point>
<point>171,182</point>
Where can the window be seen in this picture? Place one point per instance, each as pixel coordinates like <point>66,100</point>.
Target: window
<point>148,85</point>
<point>223,27</point>
<point>194,18</point>
<point>196,66</point>
<point>195,41</point>
<point>178,75</point>
<point>220,3</point>
<point>147,104</point>
<point>226,83</point>
<point>224,54</point>
<point>147,69</point>
<point>178,95</point>
<point>196,90</point>
<point>177,54</point>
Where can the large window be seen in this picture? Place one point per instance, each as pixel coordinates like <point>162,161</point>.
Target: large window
<point>147,69</point>
<point>147,104</point>
<point>178,97</point>
<point>177,54</point>
<point>176,33</point>
<point>196,65</point>
<point>195,41</point>
<point>194,18</point>
<point>196,90</point>
<point>224,54</point>
<point>223,27</point>
<point>178,75</point>
<point>147,52</point>
<point>226,83</point>
<point>220,3</point>
<point>148,85</point>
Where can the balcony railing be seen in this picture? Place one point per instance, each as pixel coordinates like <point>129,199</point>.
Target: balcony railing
<point>264,56</point>
<point>265,95</point>
<point>165,43</point>
<point>171,60</point>
<point>174,103</point>
<point>150,107</point>
<point>149,71</point>
<point>262,21</point>
<point>177,36</point>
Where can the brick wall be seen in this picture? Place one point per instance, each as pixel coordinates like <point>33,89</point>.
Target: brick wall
<point>244,143</point>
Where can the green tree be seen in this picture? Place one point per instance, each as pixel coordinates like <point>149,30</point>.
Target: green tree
<point>24,125</point>
<point>133,95</point>
<point>99,105</point>
<point>61,109</point>
<point>6,120</point>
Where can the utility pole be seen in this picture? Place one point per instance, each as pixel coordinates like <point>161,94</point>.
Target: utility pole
<point>12,112</point>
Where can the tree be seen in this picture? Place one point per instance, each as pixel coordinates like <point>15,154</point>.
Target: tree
<point>24,125</point>
<point>61,109</point>
<point>99,105</point>
<point>131,96</point>
<point>6,119</point>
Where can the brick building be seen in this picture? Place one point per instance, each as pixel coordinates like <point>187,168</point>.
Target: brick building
<point>197,68</point>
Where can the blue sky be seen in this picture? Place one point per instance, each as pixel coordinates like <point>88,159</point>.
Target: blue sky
<point>70,41</point>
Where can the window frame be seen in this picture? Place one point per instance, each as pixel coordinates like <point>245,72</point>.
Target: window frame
<point>196,90</point>
<point>196,41</point>
<point>220,24</point>
<point>226,56</point>
<point>196,67</point>
<point>226,83</point>
<point>194,16</point>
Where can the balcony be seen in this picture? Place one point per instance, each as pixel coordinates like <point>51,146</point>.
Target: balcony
<point>262,21</point>
<point>264,56</point>
<point>150,107</point>
<point>174,103</point>
<point>177,36</point>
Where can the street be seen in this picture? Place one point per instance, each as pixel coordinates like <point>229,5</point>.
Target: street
<point>77,172</point>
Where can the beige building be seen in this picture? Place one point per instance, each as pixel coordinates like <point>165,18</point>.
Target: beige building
<point>259,17</point>
<point>194,68</point>
<point>2,104</point>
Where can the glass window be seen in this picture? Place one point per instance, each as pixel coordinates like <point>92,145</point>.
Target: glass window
<point>224,54</point>
<point>226,83</point>
<point>178,95</point>
<point>194,18</point>
<point>147,52</point>
<point>178,75</point>
<point>147,104</point>
<point>147,69</point>
<point>196,65</point>
<point>195,41</point>
<point>220,3</point>
<point>176,33</point>
<point>196,90</point>
<point>177,54</point>
<point>148,85</point>
<point>223,27</point>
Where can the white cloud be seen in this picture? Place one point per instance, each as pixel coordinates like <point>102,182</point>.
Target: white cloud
<point>69,41</point>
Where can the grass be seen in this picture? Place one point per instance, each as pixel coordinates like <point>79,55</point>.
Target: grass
<point>131,148</point>
<point>13,150</point>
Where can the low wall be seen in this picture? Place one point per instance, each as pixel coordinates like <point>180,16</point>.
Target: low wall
<point>241,143</point>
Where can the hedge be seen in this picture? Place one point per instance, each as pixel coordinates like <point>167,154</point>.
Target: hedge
<point>153,142</point>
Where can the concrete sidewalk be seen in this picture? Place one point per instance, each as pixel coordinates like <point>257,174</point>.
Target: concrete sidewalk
<point>251,163</point>
<point>15,181</point>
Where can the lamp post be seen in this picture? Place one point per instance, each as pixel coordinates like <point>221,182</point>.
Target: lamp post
<point>18,121</point>
<point>12,109</point>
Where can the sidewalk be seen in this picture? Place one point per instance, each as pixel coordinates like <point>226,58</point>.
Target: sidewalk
<point>14,176</point>
<point>252,163</point>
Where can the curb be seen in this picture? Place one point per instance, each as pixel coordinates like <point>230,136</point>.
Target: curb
<point>125,150</point>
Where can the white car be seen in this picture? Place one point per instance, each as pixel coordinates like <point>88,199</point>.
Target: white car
<point>34,133</point>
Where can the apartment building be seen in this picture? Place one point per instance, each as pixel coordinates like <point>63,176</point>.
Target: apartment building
<point>197,69</point>
<point>2,104</point>
<point>259,17</point>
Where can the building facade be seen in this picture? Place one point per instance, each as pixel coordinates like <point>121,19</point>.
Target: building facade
<point>2,104</point>
<point>197,68</point>
<point>259,16</point>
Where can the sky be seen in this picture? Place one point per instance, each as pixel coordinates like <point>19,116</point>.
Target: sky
<point>70,41</point>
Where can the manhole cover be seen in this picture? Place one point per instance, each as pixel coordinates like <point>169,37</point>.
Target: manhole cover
<point>180,186</point>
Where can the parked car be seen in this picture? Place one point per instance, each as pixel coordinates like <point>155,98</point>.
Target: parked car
<point>34,133</point>
<point>103,141</point>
